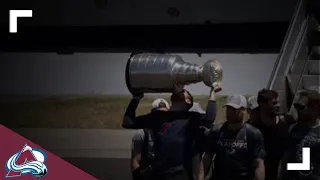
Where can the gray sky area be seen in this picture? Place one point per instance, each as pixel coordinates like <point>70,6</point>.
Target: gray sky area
<point>48,74</point>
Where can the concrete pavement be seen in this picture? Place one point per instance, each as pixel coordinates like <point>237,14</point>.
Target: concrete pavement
<point>102,153</point>
<point>92,143</point>
<point>104,168</point>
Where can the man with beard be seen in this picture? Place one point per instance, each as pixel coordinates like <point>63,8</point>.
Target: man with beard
<point>237,146</point>
<point>305,133</point>
<point>175,132</point>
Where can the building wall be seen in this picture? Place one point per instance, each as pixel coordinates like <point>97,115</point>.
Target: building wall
<point>48,74</point>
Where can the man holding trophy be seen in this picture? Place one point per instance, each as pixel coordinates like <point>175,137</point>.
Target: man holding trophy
<point>176,130</point>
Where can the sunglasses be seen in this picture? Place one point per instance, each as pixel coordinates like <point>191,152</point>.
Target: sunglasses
<point>300,106</point>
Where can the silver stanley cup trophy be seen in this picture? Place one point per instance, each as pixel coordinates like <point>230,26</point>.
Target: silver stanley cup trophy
<point>158,73</point>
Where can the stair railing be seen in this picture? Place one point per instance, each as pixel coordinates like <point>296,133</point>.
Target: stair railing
<point>300,48</point>
<point>287,46</point>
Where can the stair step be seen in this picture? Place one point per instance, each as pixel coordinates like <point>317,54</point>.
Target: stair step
<point>297,66</point>
<point>314,88</point>
<point>313,67</point>
<point>315,38</point>
<point>315,53</point>
<point>309,81</point>
<point>293,81</point>
<point>316,49</point>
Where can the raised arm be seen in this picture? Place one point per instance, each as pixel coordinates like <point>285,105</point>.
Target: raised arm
<point>211,110</point>
<point>130,121</point>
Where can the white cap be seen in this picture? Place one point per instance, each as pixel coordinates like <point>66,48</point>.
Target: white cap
<point>236,101</point>
<point>197,108</point>
<point>156,103</point>
<point>253,102</point>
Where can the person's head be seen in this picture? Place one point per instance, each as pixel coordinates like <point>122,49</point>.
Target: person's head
<point>160,105</point>
<point>268,101</point>
<point>253,106</point>
<point>182,100</point>
<point>308,105</point>
<point>236,108</point>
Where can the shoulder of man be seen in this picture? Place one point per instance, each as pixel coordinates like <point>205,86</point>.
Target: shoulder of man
<point>255,132</point>
<point>139,135</point>
<point>251,127</point>
<point>290,129</point>
<point>216,128</point>
<point>256,122</point>
<point>289,119</point>
<point>195,114</point>
<point>214,132</point>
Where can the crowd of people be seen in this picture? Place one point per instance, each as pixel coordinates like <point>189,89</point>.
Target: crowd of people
<point>182,141</point>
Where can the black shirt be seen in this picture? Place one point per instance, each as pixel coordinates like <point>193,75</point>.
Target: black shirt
<point>235,151</point>
<point>174,132</point>
<point>303,136</point>
<point>274,142</point>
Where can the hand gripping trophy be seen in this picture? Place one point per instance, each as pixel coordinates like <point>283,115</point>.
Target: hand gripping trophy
<point>159,73</point>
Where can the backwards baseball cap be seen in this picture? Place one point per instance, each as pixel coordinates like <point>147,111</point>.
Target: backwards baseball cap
<point>236,101</point>
<point>253,102</point>
<point>159,103</point>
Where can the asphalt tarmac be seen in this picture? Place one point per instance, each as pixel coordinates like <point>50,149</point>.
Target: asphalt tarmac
<point>103,168</point>
<point>104,154</point>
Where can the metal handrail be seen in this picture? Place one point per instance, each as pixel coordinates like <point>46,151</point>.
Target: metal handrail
<point>300,81</point>
<point>285,45</point>
<point>294,55</point>
<point>297,46</point>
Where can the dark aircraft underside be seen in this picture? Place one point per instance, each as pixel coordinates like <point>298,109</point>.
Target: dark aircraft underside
<point>208,38</point>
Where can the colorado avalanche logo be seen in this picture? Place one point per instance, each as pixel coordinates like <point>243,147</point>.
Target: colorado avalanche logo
<point>27,161</point>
